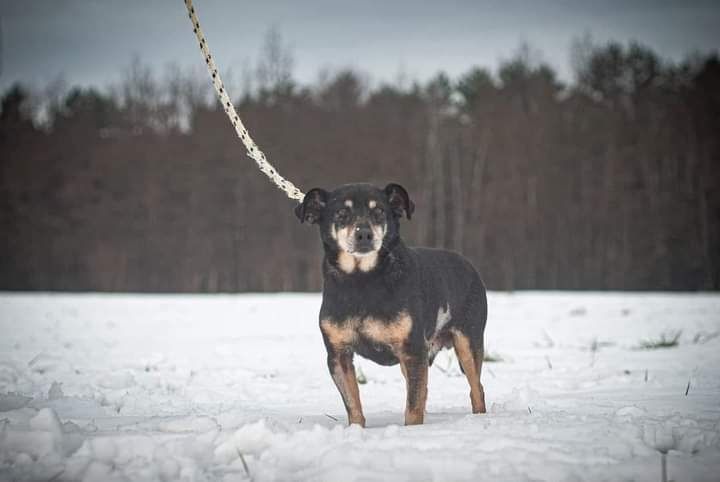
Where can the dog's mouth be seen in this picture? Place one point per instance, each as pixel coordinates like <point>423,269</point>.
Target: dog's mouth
<point>360,241</point>
<point>362,251</point>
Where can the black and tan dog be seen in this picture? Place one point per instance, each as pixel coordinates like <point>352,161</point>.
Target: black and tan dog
<point>388,302</point>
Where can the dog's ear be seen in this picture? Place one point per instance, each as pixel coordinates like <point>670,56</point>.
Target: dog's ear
<point>311,208</point>
<point>399,200</point>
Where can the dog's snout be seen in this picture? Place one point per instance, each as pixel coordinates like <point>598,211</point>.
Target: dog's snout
<point>363,233</point>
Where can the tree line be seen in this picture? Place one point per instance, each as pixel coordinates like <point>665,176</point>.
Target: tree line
<point>610,181</point>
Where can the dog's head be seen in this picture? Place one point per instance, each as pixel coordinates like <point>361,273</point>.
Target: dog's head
<point>356,219</point>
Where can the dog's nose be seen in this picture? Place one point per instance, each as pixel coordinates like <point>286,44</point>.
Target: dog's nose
<point>363,233</point>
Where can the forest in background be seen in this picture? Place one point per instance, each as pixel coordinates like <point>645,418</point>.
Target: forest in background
<point>610,181</point>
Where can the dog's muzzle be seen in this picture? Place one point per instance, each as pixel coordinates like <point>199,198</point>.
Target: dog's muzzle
<point>363,238</point>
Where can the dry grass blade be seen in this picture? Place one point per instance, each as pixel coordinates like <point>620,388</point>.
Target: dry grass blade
<point>492,358</point>
<point>360,376</point>
<point>666,340</point>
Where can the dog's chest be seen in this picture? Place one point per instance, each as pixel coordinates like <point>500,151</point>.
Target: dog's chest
<point>354,331</point>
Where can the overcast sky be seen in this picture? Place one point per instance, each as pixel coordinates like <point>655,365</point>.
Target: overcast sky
<point>93,41</point>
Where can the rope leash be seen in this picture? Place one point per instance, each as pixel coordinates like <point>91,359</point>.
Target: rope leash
<point>253,151</point>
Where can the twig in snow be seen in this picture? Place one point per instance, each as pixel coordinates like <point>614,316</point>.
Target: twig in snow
<point>593,350</point>
<point>529,411</point>
<point>491,372</point>
<point>549,364</point>
<point>331,417</point>
<point>245,466</point>
<point>56,476</point>
<point>646,373</point>
<point>549,343</point>
<point>300,420</point>
<point>687,389</point>
<point>663,466</point>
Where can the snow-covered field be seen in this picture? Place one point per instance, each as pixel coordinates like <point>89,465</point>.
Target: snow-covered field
<point>140,387</point>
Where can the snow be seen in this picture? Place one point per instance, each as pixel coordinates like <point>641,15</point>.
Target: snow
<point>235,387</point>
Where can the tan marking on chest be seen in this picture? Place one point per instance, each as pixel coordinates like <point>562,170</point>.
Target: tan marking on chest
<point>389,333</point>
<point>367,262</point>
<point>392,332</point>
<point>349,263</point>
<point>346,262</point>
<point>338,335</point>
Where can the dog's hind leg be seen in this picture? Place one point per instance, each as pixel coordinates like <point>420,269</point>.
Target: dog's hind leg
<point>470,354</point>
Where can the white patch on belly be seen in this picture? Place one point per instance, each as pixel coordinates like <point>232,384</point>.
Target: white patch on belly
<point>443,317</point>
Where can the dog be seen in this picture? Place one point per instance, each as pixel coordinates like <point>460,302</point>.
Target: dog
<point>388,302</point>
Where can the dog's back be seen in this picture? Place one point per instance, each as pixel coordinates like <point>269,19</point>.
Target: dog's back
<point>451,283</point>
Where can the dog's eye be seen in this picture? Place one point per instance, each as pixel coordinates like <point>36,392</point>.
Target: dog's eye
<point>378,215</point>
<point>342,216</point>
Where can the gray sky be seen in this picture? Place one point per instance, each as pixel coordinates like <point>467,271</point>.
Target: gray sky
<point>93,41</point>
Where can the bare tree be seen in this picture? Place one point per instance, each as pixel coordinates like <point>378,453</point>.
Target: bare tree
<point>610,182</point>
<point>275,65</point>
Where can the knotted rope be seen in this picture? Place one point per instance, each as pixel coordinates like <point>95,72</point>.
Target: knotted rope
<point>253,151</point>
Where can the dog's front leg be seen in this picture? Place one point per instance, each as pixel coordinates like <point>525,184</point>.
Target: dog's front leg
<point>414,365</point>
<point>340,363</point>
